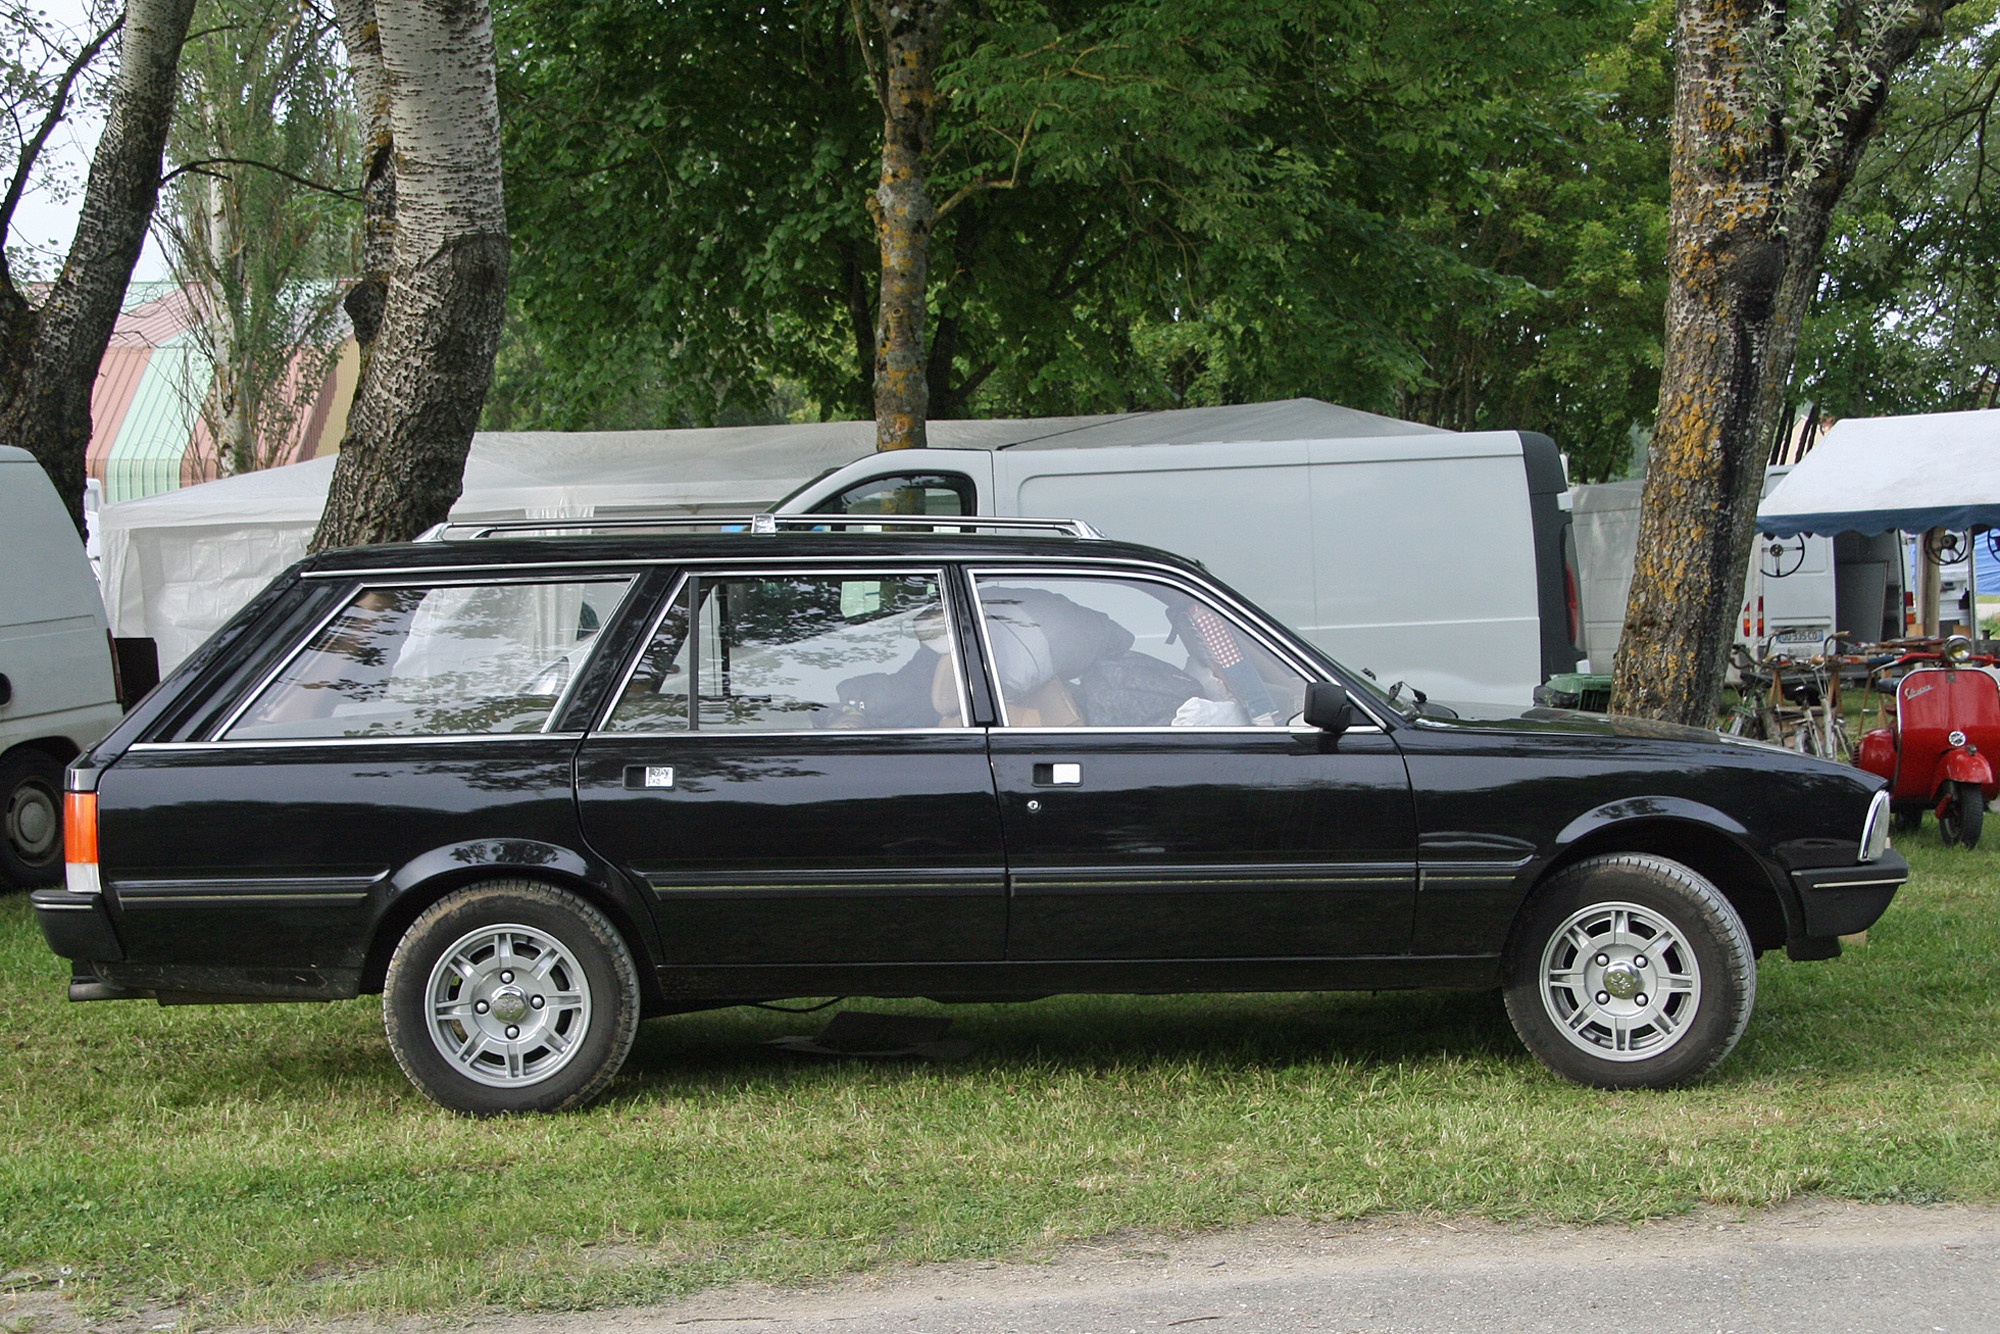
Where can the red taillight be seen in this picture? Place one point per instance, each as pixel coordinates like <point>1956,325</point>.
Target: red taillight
<point>80,828</point>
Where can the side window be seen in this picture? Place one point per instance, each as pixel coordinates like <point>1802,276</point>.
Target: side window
<point>444,660</point>
<point>797,653</point>
<point>1097,652</point>
<point>914,493</point>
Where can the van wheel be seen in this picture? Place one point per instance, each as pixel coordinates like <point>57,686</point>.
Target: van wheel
<point>31,835</point>
<point>511,996</point>
<point>1630,971</point>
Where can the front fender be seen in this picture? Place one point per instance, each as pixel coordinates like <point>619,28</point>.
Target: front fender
<point>1967,766</point>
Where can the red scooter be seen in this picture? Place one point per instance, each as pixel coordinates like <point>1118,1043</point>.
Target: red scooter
<point>1935,750</point>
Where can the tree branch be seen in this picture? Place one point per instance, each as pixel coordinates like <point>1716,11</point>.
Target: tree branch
<point>33,149</point>
<point>200,167</point>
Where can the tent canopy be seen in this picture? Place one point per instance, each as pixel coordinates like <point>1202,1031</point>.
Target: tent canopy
<point>1880,474</point>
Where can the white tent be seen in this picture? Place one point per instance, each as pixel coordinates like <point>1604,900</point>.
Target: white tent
<point>1878,474</point>
<point>177,565</point>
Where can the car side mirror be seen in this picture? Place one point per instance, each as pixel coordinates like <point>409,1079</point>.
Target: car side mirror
<point>1328,708</point>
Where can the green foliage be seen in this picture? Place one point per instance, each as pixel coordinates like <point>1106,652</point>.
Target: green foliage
<point>1146,204</point>
<point>264,114</point>
<point>1907,317</point>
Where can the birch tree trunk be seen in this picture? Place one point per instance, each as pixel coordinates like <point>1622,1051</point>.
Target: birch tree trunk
<point>49,355</point>
<point>912,34</point>
<point>230,416</point>
<point>1772,110</point>
<point>430,360</point>
<point>362,36</point>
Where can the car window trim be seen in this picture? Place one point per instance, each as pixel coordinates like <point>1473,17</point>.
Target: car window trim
<point>220,735</point>
<point>692,574</point>
<point>1158,574</point>
<point>442,738</point>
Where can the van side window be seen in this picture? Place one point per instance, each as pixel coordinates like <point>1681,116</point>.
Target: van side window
<point>1096,652</point>
<point>909,493</point>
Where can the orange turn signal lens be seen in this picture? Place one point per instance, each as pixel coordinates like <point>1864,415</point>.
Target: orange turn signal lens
<point>80,827</point>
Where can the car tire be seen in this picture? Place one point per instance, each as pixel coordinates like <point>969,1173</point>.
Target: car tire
<point>511,996</point>
<point>1962,814</point>
<point>31,833</point>
<point>1630,971</point>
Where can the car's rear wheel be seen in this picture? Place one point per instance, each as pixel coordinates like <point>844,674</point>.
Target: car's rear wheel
<point>1630,971</point>
<point>511,996</point>
<point>1962,813</point>
<point>31,836</point>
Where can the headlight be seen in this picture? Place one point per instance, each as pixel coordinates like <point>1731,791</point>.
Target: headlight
<point>1958,648</point>
<point>1875,830</point>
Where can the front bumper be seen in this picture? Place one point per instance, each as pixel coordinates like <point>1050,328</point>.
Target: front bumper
<point>77,926</point>
<point>1841,900</point>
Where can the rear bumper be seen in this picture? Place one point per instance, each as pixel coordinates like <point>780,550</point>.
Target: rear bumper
<point>77,926</point>
<point>1840,900</point>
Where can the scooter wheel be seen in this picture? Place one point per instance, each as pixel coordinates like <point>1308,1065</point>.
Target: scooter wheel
<point>1961,815</point>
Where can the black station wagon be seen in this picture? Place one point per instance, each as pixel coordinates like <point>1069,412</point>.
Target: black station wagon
<point>533,789</point>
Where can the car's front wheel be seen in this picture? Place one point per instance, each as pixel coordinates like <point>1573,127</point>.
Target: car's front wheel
<point>1630,971</point>
<point>511,996</point>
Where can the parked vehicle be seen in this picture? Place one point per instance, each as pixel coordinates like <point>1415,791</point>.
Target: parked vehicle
<point>1436,558</point>
<point>1936,751</point>
<point>532,790</point>
<point>58,689</point>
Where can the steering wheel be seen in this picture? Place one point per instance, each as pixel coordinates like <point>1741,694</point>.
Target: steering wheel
<point>1780,556</point>
<point>1947,546</point>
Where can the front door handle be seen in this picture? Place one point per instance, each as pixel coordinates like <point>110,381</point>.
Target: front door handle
<point>642,776</point>
<point>1058,775</point>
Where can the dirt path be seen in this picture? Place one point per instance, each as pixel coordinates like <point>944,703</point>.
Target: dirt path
<point>1819,1266</point>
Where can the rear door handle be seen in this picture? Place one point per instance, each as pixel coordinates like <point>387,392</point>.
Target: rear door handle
<point>644,776</point>
<point>1058,775</point>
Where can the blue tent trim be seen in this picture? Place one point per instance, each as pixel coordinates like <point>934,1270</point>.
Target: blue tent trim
<point>1880,521</point>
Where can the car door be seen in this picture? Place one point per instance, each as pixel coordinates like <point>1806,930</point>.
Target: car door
<point>1157,805</point>
<point>413,714</point>
<point>788,767</point>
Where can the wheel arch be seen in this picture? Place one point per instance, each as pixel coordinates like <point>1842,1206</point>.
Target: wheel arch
<point>442,871</point>
<point>58,748</point>
<point>1712,851</point>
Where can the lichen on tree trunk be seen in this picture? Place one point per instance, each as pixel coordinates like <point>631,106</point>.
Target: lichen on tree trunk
<point>912,32</point>
<point>1756,171</point>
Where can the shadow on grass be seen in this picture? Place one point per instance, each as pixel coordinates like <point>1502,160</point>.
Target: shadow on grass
<point>1093,1034</point>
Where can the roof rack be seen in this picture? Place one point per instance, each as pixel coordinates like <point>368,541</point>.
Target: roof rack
<point>761,524</point>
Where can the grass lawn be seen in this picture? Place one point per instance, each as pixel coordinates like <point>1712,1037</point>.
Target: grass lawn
<point>270,1162</point>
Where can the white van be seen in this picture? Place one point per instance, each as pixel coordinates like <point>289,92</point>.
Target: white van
<point>1431,557</point>
<point>58,678</point>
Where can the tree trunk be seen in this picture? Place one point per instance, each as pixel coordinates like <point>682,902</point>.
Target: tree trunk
<point>912,34</point>
<point>1757,169</point>
<point>362,36</point>
<point>49,356</point>
<point>234,449</point>
<point>430,362</point>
